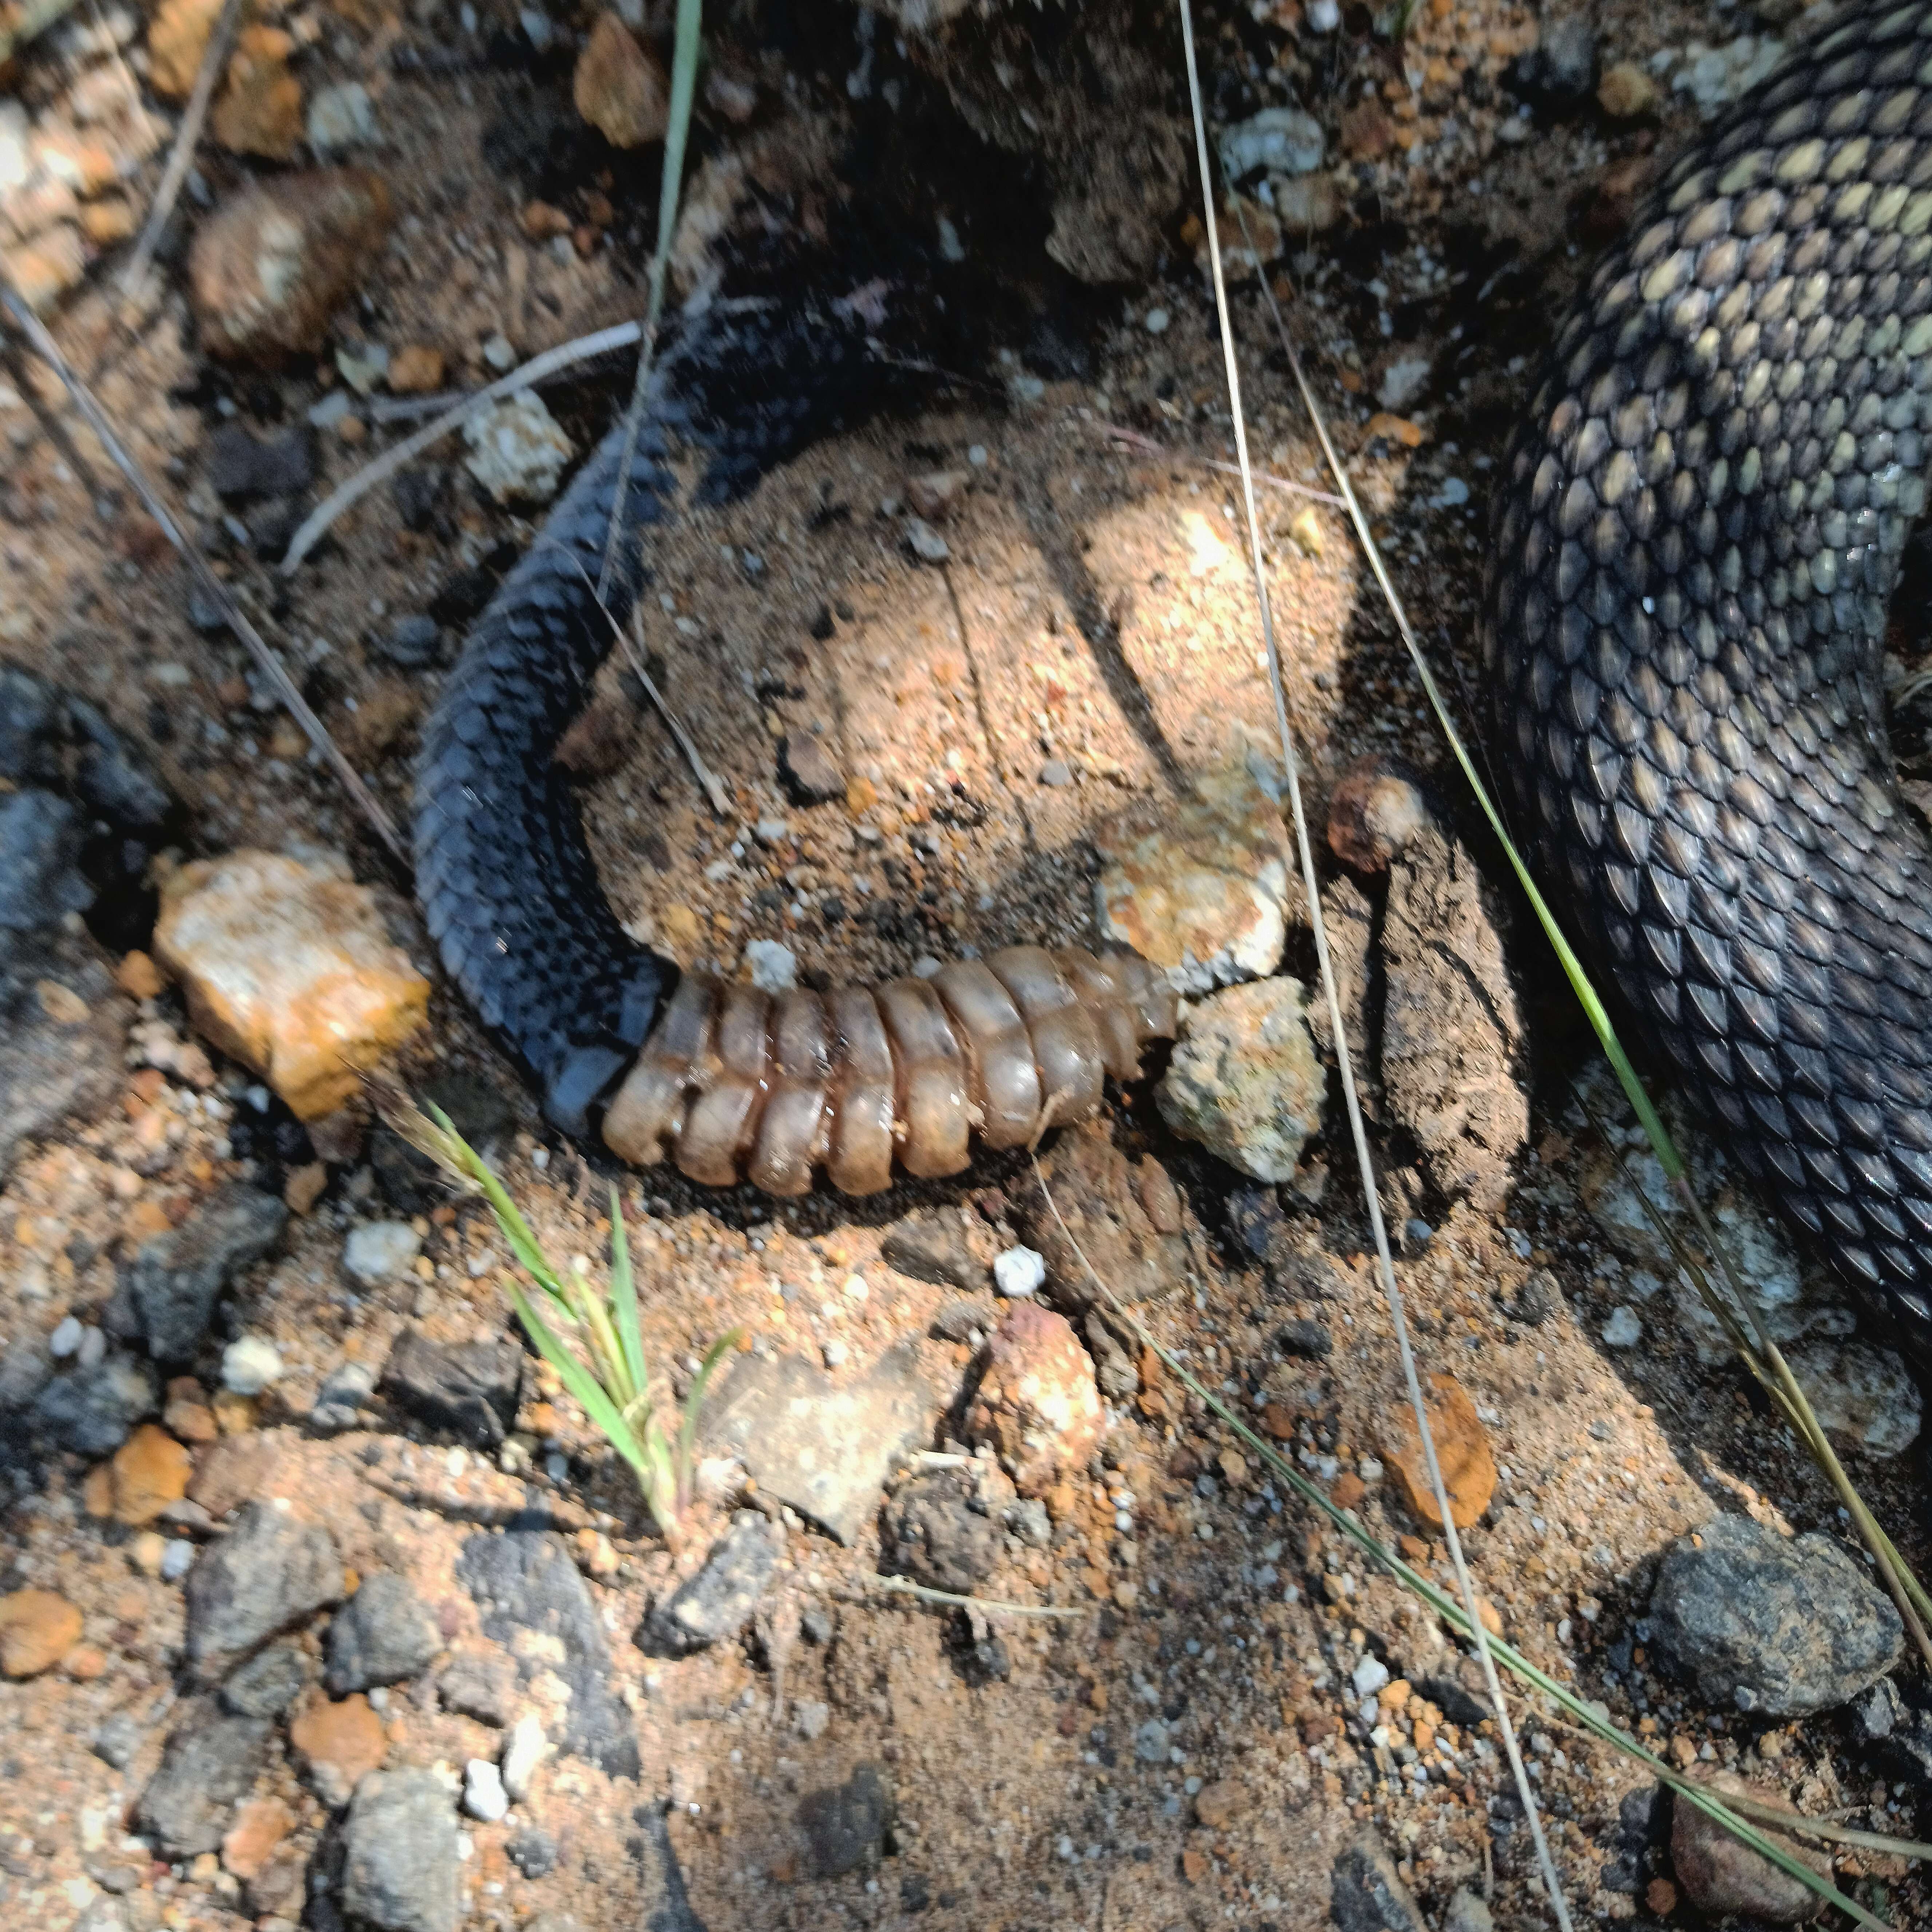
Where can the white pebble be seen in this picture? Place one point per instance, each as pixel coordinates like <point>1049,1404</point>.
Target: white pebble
<point>65,1340</point>
<point>250,1365</point>
<point>836,1353</point>
<point>1623,1329</point>
<point>522,1755</point>
<point>773,967</point>
<point>1019,1271</point>
<point>926,542</point>
<point>856,1289</point>
<point>483,1796</point>
<point>1323,16</point>
<point>1156,321</point>
<point>379,1251</point>
<point>175,1559</point>
<point>93,1347</point>
<point>1370,1676</point>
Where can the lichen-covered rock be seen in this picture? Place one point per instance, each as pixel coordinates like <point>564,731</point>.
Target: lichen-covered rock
<point>1201,886</point>
<point>272,264</point>
<point>620,87</point>
<point>517,450</point>
<point>1862,1393</point>
<point>289,970</point>
<point>1037,1402</point>
<point>1244,1081</point>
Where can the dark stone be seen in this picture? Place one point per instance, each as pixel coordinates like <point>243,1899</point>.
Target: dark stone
<point>54,1068</point>
<point>242,467</point>
<point>930,1245</point>
<point>272,524</point>
<point>1643,1816</point>
<point>821,626</point>
<point>205,613</point>
<point>533,1852</point>
<point>915,1892</point>
<point>481,1113</point>
<point>1453,1700</point>
<point>32,723</point>
<point>1898,1737</point>
<point>381,1635</point>
<point>462,597</point>
<point>1093,1186</point>
<point>209,1763</point>
<point>466,1390</point>
<point>268,1684</point>
<point>482,1688</point>
<point>845,1825</point>
<point>720,1600</point>
<point>118,1739</point>
<point>1539,1298</point>
<point>400,1863</point>
<point>1254,1219</point>
<point>1304,1338</point>
<point>523,1581</point>
<point>269,1574</point>
<point>937,1537</point>
<point>960,1321</point>
<point>92,1411</point>
<point>1367,1893</point>
<point>113,780</point>
<point>41,879</point>
<point>1559,73</point>
<point>807,770</point>
<point>417,493</point>
<point>174,1280</point>
<point>1763,1624</point>
<point>411,643</point>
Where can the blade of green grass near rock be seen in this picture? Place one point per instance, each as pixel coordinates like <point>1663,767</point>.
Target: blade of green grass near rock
<point>1903,1586</point>
<point>1446,1607</point>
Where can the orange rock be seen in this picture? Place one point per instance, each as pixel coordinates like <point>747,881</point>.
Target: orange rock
<point>289,970</point>
<point>619,88</point>
<point>303,1188</point>
<point>139,975</point>
<point>1660,1895</point>
<point>176,42</point>
<point>1278,1420</point>
<point>1195,1864</point>
<point>861,795</point>
<point>1395,429</point>
<point>542,222</point>
<point>259,1826</point>
<point>415,370</point>
<point>146,1219</point>
<point>347,1738</point>
<point>97,1491</point>
<point>1413,1549</point>
<point>1038,1405</point>
<point>105,222</point>
<point>260,111</point>
<point>1462,1449</point>
<point>151,1470</point>
<point>85,1664</point>
<point>37,1629</point>
<point>1349,1490</point>
<point>1220,1803</point>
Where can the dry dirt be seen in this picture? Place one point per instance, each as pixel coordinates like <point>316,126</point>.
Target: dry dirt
<point>1095,610</point>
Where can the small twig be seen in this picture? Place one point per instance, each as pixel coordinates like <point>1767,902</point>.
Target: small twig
<point>1136,440</point>
<point>186,137</point>
<point>211,586</point>
<point>634,650</point>
<point>366,478</point>
<point>904,1586</point>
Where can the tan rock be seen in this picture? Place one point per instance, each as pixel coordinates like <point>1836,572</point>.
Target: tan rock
<point>1377,807</point>
<point>1038,1403</point>
<point>105,222</point>
<point>260,110</point>
<point>288,971</point>
<point>187,1415</point>
<point>271,265</point>
<point>619,88</point>
<point>340,1743</point>
<point>37,1629</point>
<point>1307,205</point>
<point>1462,1451</point>
<point>1720,1876</point>
<point>259,1826</point>
<point>45,269</point>
<point>140,976</point>
<point>176,42</point>
<point>304,1187</point>
<point>1200,886</point>
<point>415,370</point>
<point>149,1470</point>
<point>1627,91</point>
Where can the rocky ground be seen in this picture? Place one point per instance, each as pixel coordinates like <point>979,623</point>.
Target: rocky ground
<point>321,1603</point>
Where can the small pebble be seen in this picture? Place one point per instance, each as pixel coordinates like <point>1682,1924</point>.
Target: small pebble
<point>1156,321</point>
<point>1019,1271</point>
<point>483,1796</point>
<point>379,1251</point>
<point>250,1365</point>
<point>65,1340</point>
<point>836,1353</point>
<point>1056,773</point>
<point>1623,1329</point>
<point>500,356</point>
<point>925,542</point>
<point>522,1755</point>
<point>175,1559</point>
<point>773,967</point>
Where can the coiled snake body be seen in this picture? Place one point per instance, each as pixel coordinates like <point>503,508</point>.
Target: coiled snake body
<point>1698,529</point>
<point>1700,525</point>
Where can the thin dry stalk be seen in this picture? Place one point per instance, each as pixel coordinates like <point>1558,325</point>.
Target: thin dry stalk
<point>1134,439</point>
<point>210,586</point>
<point>538,369</point>
<point>1365,1161</point>
<point>187,137</point>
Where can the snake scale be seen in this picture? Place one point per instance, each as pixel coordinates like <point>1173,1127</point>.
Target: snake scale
<point>1699,527</point>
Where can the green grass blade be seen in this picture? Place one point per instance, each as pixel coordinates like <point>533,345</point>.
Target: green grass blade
<point>687,1430</point>
<point>624,1299</point>
<point>581,1382</point>
<point>523,1244</point>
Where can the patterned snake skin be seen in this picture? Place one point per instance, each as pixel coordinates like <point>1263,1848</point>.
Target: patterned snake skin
<point>1698,529</point>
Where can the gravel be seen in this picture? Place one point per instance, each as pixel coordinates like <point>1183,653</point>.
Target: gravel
<point>381,1635</point>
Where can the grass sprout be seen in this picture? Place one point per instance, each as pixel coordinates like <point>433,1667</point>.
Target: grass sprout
<point>590,1336</point>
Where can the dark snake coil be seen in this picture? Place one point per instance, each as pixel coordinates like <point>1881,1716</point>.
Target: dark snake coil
<point>1698,529</point>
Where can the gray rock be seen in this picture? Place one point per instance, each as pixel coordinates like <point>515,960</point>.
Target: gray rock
<point>400,1863</point>
<point>1863,1394</point>
<point>93,1410</point>
<point>209,1763</point>
<point>242,468</point>
<point>118,1739</point>
<point>1282,140</point>
<point>417,493</point>
<point>1468,1913</point>
<point>807,771</point>
<point>1367,1893</point>
<point>930,1245</point>
<point>57,1062</point>
<point>268,1684</point>
<point>962,1319</point>
<point>845,1825</point>
<point>937,1537</point>
<point>1028,1520</point>
<point>380,1252</point>
<point>533,1852</point>
<point>482,1688</point>
<point>526,1586</point>
<point>414,642</point>
<point>1560,71</point>
<point>1783,1628</point>
<point>1899,1738</point>
<point>381,1635</point>
<point>1304,1338</point>
<point>468,1390</point>
<point>720,1600</point>
<point>41,879</point>
<point>175,1280</point>
<point>269,1574</point>
<point>339,1401</point>
<point>823,1448</point>
<point>1719,1875</point>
